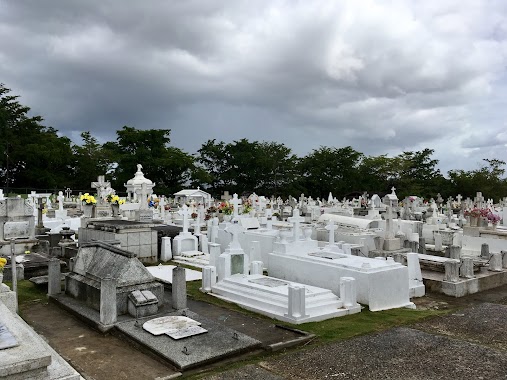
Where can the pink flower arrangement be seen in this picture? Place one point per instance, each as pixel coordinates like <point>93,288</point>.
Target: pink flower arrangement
<point>493,218</point>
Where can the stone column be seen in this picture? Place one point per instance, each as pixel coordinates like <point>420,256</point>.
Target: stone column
<point>256,267</point>
<point>214,254</point>
<point>255,251</point>
<point>166,253</point>
<point>348,292</point>
<point>467,267</point>
<point>451,270</point>
<point>179,289</point>
<point>455,252</point>
<point>504,259</point>
<point>485,251</point>
<point>54,277</point>
<point>422,245</point>
<point>495,262</point>
<point>209,278</point>
<point>203,241</point>
<point>438,242</point>
<point>297,302</point>
<point>414,246</point>
<point>108,311</point>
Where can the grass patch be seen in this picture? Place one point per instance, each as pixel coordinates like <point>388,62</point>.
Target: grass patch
<point>366,322</point>
<point>334,329</point>
<point>28,292</point>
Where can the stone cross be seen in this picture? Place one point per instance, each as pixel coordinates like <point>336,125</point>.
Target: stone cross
<point>143,202</point>
<point>226,196</point>
<point>162,204</point>
<point>393,189</point>
<point>68,193</point>
<point>296,219</point>
<point>101,185</point>
<point>459,197</point>
<point>389,223</point>
<point>479,200</point>
<point>235,202</point>
<point>60,200</point>
<point>331,227</point>
<point>185,213</point>
<point>40,207</point>
<point>234,229</point>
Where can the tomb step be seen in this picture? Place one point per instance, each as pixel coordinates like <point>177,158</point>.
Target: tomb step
<point>313,300</point>
<point>236,292</point>
<point>260,304</point>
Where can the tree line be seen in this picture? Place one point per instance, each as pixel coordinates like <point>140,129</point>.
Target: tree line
<point>37,157</point>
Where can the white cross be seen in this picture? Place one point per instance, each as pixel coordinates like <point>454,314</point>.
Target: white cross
<point>389,223</point>
<point>235,202</point>
<point>60,200</point>
<point>184,212</point>
<point>162,204</point>
<point>234,229</point>
<point>296,219</point>
<point>101,185</point>
<point>393,189</point>
<point>331,227</point>
<point>226,196</point>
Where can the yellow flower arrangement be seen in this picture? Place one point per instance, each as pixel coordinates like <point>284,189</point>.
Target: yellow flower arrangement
<point>115,199</point>
<point>3,261</point>
<point>88,199</point>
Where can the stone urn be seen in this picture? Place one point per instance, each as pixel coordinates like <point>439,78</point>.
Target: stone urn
<point>88,211</point>
<point>115,207</point>
<point>307,232</point>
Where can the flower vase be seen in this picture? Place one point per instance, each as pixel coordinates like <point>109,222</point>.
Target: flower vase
<point>474,221</point>
<point>88,211</point>
<point>227,218</point>
<point>115,208</point>
<point>493,226</point>
<point>252,213</point>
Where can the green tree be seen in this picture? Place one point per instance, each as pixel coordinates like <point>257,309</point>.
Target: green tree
<point>90,160</point>
<point>34,156</point>
<point>487,179</point>
<point>331,169</point>
<point>169,167</point>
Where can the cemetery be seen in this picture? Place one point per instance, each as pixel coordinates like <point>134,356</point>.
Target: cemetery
<point>286,260</point>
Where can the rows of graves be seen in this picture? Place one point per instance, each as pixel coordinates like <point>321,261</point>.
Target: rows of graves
<point>295,260</point>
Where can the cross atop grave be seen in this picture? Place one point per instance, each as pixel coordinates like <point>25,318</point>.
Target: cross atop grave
<point>296,219</point>
<point>459,197</point>
<point>60,200</point>
<point>68,193</point>
<point>235,202</point>
<point>234,229</point>
<point>389,223</point>
<point>101,185</point>
<point>143,198</point>
<point>185,213</point>
<point>393,189</point>
<point>331,227</point>
<point>479,200</point>
<point>226,196</point>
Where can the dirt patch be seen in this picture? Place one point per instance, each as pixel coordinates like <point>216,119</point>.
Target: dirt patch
<point>94,355</point>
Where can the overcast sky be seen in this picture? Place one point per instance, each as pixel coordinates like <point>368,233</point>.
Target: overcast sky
<point>381,76</point>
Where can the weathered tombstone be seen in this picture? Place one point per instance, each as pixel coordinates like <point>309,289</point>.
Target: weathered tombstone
<point>179,289</point>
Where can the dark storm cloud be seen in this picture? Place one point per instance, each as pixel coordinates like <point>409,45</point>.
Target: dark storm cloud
<point>381,78</point>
